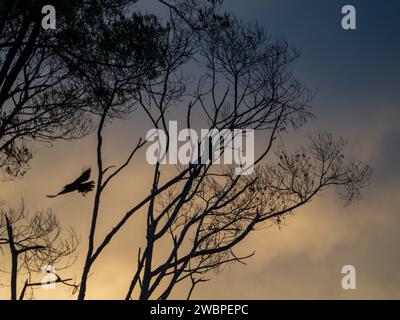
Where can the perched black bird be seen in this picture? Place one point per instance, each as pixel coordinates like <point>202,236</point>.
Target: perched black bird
<point>82,185</point>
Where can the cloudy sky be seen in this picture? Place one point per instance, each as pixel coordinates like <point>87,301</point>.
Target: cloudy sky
<point>356,76</point>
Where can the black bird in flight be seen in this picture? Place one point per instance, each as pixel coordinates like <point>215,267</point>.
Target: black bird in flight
<point>82,185</point>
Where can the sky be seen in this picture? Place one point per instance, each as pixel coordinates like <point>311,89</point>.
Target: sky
<point>356,76</point>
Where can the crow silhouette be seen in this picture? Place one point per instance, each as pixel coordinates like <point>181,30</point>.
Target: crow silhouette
<point>82,185</point>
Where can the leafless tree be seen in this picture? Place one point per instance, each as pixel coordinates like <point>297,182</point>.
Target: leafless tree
<point>33,242</point>
<point>205,210</point>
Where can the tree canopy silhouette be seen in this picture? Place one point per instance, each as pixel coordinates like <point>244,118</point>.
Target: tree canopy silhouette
<point>196,218</point>
<point>41,93</point>
<point>200,64</point>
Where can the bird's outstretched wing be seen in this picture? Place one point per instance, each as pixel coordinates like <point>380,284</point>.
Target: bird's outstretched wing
<point>83,177</point>
<point>85,188</point>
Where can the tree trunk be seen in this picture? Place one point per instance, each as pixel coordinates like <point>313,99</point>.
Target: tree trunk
<point>14,260</point>
<point>89,260</point>
<point>14,270</point>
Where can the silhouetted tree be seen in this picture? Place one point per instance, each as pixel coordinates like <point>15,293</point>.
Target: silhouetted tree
<point>39,99</point>
<point>40,95</point>
<point>204,210</point>
<point>135,62</point>
<point>33,242</point>
<point>128,49</point>
<point>52,82</point>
